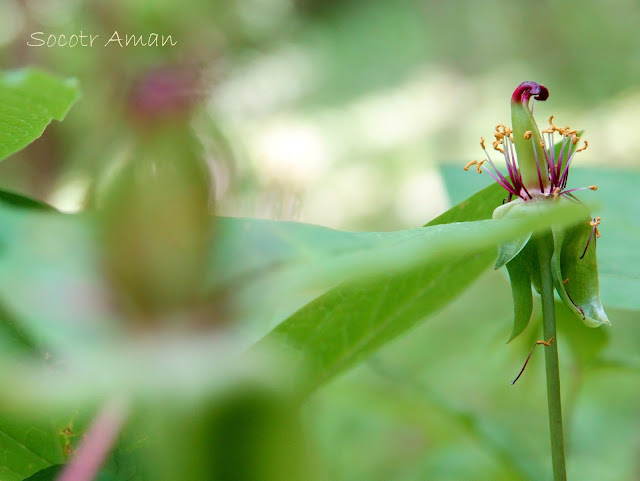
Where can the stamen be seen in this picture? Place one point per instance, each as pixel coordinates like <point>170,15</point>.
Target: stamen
<point>482,142</point>
<point>478,169</point>
<point>544,343</point>
<point>560,157</point>
<point>510,157</point>
<point>535,153</point>
<point>469,164</point>
<point>565,281</point>
<point>527,135</point>
<point>574,304</point>
<point>586,144</point>
<point>593,187</point>
<point>553,168</point>
<point>565,173</point>
<point>578,188</point>
<point>594,230</point>
<point>498,177</point>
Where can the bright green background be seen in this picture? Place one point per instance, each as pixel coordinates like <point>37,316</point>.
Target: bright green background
<point>339,113</point>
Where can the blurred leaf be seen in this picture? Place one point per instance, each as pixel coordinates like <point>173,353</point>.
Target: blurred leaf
<point>18,200</point>
<point>124,461</point>
<point>247,433</point>
<point>53,258</point>
<point>349,322</point>
<point>585,344</point>
<point>60,264</point>
<point>13,336</point>
<point>618,257</point>
<point>51,473</point>
<point>29,100</point>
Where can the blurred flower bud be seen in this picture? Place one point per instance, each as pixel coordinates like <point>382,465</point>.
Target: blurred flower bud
<point>155,209</point>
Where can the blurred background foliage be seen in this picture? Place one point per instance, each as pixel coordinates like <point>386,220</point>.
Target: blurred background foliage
<point>339,113</point>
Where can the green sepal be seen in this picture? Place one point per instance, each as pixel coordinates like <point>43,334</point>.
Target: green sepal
<point>522,296</point>
<point>510,249</point>
<point>582,288</point>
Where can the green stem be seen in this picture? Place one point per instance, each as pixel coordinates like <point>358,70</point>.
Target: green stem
<point>551,361</point>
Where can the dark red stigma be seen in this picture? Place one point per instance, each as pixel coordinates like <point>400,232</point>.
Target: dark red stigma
<point>526,90</point>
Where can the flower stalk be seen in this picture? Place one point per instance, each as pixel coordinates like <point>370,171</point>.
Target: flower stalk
<point>551,361</point>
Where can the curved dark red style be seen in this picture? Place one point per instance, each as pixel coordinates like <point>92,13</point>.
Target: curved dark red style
<point>526,90</point>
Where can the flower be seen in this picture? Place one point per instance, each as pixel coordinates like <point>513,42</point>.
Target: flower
<point>538,171</point>
<point>536,164</point>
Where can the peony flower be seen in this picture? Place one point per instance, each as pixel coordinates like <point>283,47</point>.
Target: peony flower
<point>537,172</point>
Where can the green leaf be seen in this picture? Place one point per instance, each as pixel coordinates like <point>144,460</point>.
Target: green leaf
<point>27,446</point>
<point>349,322</point>
<point>522,296</point>
<point>586,344</point>
<point>249,247</point>
<point>29,100</point>
<point>575,272</point>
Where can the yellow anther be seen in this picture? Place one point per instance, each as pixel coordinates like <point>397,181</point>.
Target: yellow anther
<point>482,143</point>
<point>595,223</point>
<point>545,343</point>
<point>593,187</point>
<point>469,164</point>
<point>556,192</point>
<point>575,139</point>
<point>542,142</point>
<point>552,128</point>
<point>565,281</point>
<point>478,169</point>
<point>527,135</point>
<point>496,146</point>
<point>586,144</point>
